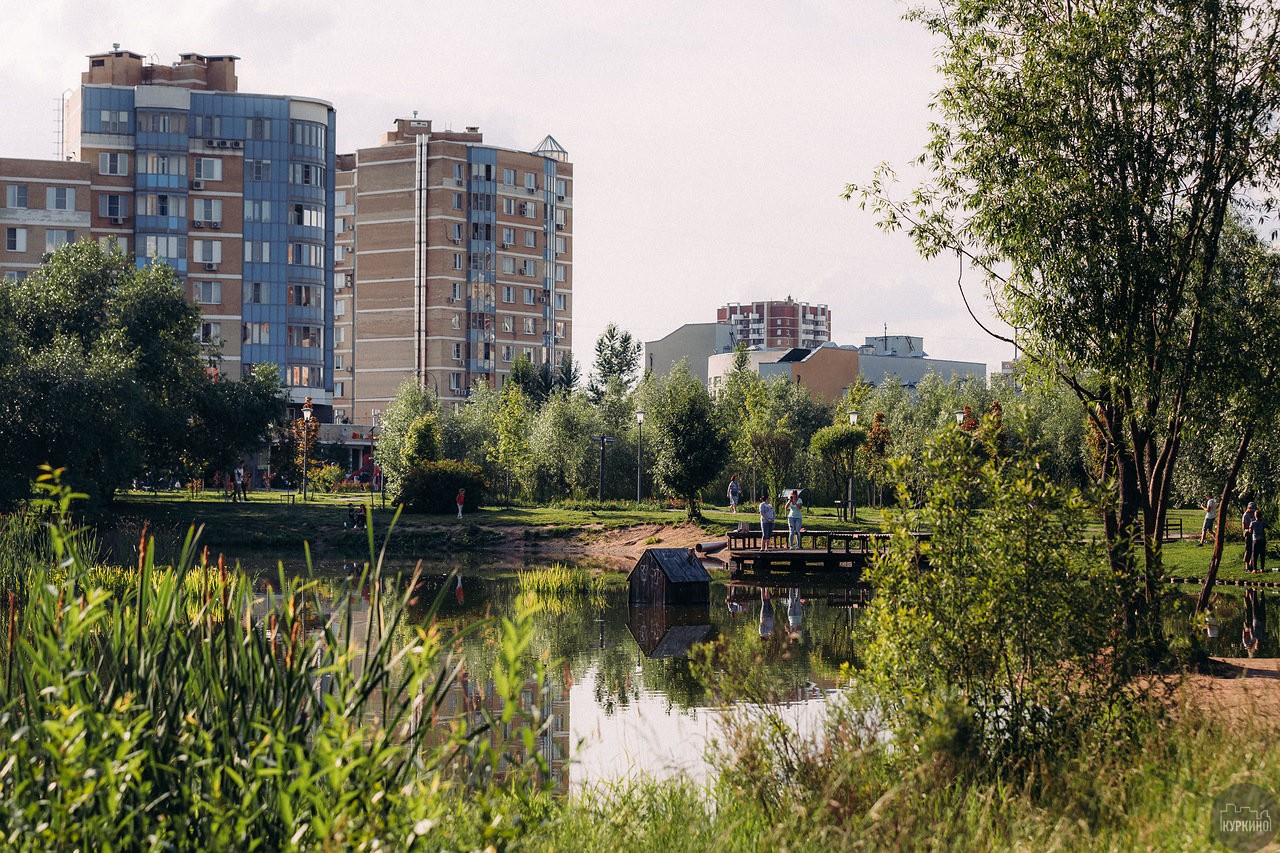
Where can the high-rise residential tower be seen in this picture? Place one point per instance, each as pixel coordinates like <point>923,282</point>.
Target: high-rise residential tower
<point>462,263</point>
<point>778,323</point>
<point>235,191</point>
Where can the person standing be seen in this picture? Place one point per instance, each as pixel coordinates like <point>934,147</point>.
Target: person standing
<point>1258,533</point>
<point>461,499</point>
<point>767,516</point>
<point>735,493</point>
<point>1210,507</point>
<point>795,517</point>
<point>241,492</point>
<point>1246,522</point>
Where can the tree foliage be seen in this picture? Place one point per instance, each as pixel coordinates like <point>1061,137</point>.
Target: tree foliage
<point>689,445</point>
<point>411,402</point>
<point>617,359</point>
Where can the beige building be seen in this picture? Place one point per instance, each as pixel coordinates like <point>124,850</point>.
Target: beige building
<point>46,203</point>
<point>827,371</point>
<point>462,261</point>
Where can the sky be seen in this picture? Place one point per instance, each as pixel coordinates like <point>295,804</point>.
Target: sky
<point>710,141</point>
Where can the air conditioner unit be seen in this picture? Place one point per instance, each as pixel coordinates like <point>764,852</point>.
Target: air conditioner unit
<point>197,224</point>
<point>211,143</point>
<point>215,225</point>
<point>236,143</point>
<point>117,220</point>
<point>559,198</point>
<point>197,185</point>
<point>559,226</point>
<point>222,143</point>
<point>531,190</point>
<point>211,266</point>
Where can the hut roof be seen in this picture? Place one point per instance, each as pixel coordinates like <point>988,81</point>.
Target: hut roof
<point>679,565</point>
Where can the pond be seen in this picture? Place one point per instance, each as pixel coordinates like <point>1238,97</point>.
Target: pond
<point>623,696</point>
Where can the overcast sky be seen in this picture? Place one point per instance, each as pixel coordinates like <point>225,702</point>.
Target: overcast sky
<point>710,140</point>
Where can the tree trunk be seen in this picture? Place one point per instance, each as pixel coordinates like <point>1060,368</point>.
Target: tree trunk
<point>1220,523</point>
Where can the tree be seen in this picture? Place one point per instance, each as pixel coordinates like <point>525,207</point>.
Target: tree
<point>1087,158</point>
<point>839,445</point>
<point>617,358</point>
<point>411,402</point>
<point>511,450</point>
<point>566,378</point>
<point>533,381</point>
<point>559,441</point>
<point>422,440</point>
<point>689,446</point>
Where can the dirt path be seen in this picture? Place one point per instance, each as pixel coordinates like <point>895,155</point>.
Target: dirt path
<point>1242,690</point>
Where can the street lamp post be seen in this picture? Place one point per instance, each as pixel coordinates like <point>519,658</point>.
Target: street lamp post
<point>852,506</point>
<point>639,449</point>
<point>603,439</point>
<point>306,445</point>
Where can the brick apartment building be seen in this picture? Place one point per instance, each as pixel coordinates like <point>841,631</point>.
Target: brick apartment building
<point>784,323</point>
<point>46,203</point>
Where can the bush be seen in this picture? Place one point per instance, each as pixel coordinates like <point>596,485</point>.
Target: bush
<point>433,487</point>
<point>327,478</point>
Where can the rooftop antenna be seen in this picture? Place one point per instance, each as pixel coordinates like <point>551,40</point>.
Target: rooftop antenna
<point>115,45</point>
<point>415,113</point>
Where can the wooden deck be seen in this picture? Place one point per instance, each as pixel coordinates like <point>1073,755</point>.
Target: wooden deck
<point>840,555</point>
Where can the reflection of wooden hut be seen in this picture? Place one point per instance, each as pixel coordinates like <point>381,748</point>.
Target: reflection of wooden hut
<point>669,576</point>
<point>668,632</point>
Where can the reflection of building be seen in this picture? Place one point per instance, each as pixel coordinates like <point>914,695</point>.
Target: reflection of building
<point>234,191</point>
<point>668,632</point>
<point>785,323</point>
<point>462,262</point>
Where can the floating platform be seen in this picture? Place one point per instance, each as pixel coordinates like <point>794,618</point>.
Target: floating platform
<point>835,555</point>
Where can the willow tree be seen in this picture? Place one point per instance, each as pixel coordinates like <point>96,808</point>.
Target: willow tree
<point>1086,158</point>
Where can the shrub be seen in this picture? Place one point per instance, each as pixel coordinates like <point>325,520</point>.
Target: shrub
<point>433,487</point>
<point>327,477</point>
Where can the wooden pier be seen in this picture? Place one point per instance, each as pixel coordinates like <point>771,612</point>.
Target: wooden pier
<point>838,555</point>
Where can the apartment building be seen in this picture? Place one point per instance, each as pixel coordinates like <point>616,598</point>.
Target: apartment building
<point>344,276</point>
<point>233,190</point>
<point>46,203</point>
<point>462,262</point>
<point>784,323</point>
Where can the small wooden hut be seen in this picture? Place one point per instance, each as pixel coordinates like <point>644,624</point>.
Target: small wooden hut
<point>669,576</point>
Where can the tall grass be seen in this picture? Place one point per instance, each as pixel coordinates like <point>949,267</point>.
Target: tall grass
<point>560,580</point>
<point>188,713</point>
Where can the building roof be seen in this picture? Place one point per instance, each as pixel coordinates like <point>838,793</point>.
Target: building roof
<point>548,147</point>
<point>679,565</point>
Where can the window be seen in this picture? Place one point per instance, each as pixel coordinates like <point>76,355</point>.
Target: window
<point>339,307</point>
<point>561,187</point>
<point>162,164</point>
<point>559,329</point>
<point>339,362</point>
<point>530,181</point>
<point>527,326</point>
<point>257,211</point>
<point>529,268</point>
<point>306,214</point>
<point>308,133</point>
<point>114,121</point>
<point>527,352</point>
<point>339,390</point>
<point>206,126</point>
<point>259,128</point>
<point>164,246</point>
<point>531,239</point>
<point>114,243</point>
<point>15,275</point>
<point>457,201</point>
<point>508,236</point>
<point>152,121</point>
<point>527,209</point>
<point>509,206</point>
<point>457,171</point>
<point>54,238</point>
<point>339,254</point>
<point>305,296</point>
<point>207,292</point>
<point>509,266</point>
<point>306,174</point>
<point>60,198</point>
<point>15,195</point>
<point>340,334</point>
<point>114,206</point>
<point>207,209</point>
<point>506,352</point>
<point>304,336</point>
<point>457,351</point>
<point>113,163</point>
<point>561,246</point>
<point>211,333</point>
<point>206,251</point>
<point>304,376</point>
<point>508,294</point>
<point>457,290</point>
<point>162,205</point>
<point>15,239</point>
<point>255,333</point>
<point>455,381</point>
<point>482,171</point>
<point>255,292</point>
<point>455,322</point>
<point>529,296</point>
<point>257,252</point>
<point>509,177</point>
<point>561,273</point>
<point>508,324</point>
<point>455,232</point>
<point>560,220</point>
<point>340,198</point>
<point>457,260</point>
<point>306,254</point>
<point>561,302</point>
<point>257,170</point>
<point>208,169</point>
